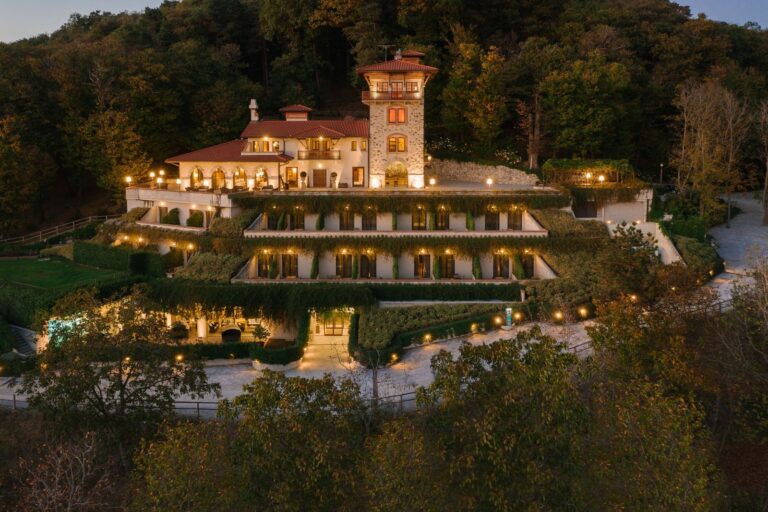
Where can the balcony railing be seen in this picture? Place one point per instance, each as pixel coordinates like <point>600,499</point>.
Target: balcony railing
<point>320,155</point>
<point>391,95</point>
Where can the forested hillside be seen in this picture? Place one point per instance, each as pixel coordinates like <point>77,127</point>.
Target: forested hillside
<point>521,81</point>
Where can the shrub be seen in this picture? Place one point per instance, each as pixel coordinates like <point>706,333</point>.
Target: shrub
<point>178,331</point>
<point>378,326</point>
<point>232,227</point>
<point>563,224</point>
<point>206,266</point>
<point>118,258</point>
<point>691,227</point>
<point>263,353</point>
<point>172,217</point>
<point>7,338</point>
<point>195,219</point>
<point>59,251</point>
<point>173,258</point>
<point>136,214</point>
<point>700,257</point>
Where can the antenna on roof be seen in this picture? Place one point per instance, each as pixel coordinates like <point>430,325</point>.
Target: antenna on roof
<point>386,50</point>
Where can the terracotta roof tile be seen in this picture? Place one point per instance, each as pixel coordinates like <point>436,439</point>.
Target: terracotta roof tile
<point>396,65</point>
<point>296,108</point>
<point>227,152</point>
<point>294,129</point>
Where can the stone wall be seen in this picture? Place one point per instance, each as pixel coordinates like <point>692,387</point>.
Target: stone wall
<point>452,170</point>
<point>413,130</point>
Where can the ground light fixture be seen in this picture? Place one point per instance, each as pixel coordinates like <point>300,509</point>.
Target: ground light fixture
<point>489,181</point>
<point>517,317</point>
<point>584,312</point>
<point>128,179</point>
<point>559,316</point>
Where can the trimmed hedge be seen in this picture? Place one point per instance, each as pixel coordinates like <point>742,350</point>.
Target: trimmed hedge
<point>241,350</point>
<point>284,355</point>
<point>7,338</point>
<point>401,203</point>
<point>172,217</point>
<point>196,219</point>
<point>700,257</point>
<point>509,292</point>
<point>118,258</point>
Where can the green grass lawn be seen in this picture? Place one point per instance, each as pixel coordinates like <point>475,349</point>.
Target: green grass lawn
<point>51,274</point>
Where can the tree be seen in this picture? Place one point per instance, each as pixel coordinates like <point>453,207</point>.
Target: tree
<point>465,64</point>
<point>487,109</point>
<point>644,451</point>
<point>72,475</point>
<point>299,442</point>
<point>626,264</point>
<point>586,106</point>
<point>762,126</point>
<point>712,127</point>
<point>115,369</point>
<point>507,417</point>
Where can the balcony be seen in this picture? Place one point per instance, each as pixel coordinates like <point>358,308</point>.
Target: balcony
<point>391,95</point>
<point>320,155</point>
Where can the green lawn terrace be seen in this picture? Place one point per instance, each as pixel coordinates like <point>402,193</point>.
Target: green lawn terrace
<point>52,274</point>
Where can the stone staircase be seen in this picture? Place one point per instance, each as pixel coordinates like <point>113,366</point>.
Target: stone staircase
<point>26,341</point>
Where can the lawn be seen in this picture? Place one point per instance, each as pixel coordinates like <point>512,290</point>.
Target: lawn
<point>51,274</point>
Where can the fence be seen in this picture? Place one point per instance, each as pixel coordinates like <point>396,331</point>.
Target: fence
<point>45,234</point>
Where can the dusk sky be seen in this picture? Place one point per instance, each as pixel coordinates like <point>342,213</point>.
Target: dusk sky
<point>25,18</point>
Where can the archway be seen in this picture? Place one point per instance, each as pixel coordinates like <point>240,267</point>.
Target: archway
<point>238,179</point>
<point>219,180</point>
<point>196,178</point>
<point>396,175</point>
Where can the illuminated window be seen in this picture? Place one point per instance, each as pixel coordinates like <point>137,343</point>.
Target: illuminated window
<point>265,146</point>
<point>396,115</point>
<point>358,176</point>
<point>363,145</point>
<point>396,144</point>
<point>353,145</point>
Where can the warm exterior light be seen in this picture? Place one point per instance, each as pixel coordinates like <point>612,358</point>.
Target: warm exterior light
<point>422,251</point>
<point>178,181</point>
<point>179,358</point>
<point>497,320</point>
<point>417,182</point>
<point>375,183</point>
<point>489,181</point>
<point>206,182</point>
<point>447,251</point>
<point>190,246</point>
<point>588,175</point>
<point>429,158</point>
<point>141,239</point>
<point>427,338</point>
<point>251,183</point>
<point>172,244</point>
<point>152,175</point>
<point>128,179</point>
<point>432,182</point>
<point>517,316</point>
<point>343,251</point>
<point>210,208</point>
<point>394,358</point>
<point>558,315</point>
<point>162,203</point>
<point>633,297</point>
<point>473,328</point>
<point>711,272</point>
<point>161,172</point>
<point>584,312</point>
<point>126,359</point>
<point>194,206</point>
<point>125,237</point>
<point>159,181</point>
<point>601,178</point>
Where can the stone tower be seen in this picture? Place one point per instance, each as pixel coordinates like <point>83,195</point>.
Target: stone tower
<point>395,98</point>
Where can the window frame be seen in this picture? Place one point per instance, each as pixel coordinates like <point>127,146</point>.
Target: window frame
<point>355,181</point>
<point>419,220</point>
<point>397,144</point>
<point>292,264</point>
<point>343,266</point>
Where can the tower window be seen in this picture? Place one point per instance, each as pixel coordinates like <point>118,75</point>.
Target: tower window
<point>396,115</point>
<point>396,144</point>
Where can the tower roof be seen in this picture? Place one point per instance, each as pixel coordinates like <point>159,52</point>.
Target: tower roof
<point>396,65</point>
<point>296,108</point>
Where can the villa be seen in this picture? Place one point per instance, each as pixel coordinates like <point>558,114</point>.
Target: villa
<point>358,180</point>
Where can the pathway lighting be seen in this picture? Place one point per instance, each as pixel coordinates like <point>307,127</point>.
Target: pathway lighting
<point>128,179</point>
<point>178,181</point>
<point>190,246</point>
<point>633,297</point>
<point>518,316</point>
<point>427,338</point>
<point>179,358</point>
<point>497,320</point>
<point>601,178</point>
<point>489,181</point>
<point>161,173</point>
<point>584,312</point>
<point>559,316</point>
<point>152,175</point>
<point>432,182</point>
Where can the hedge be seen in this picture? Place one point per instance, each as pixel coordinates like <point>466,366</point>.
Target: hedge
<point>195,219</point>
<point>390,201</point>
<point>700,257</point>
<point>508,292</point>
<point>691,227</point>
<point>241,350</point>
<point>21,305</point>
<point>172,217</point>
<point>284,355</point>
<point>118,258</point>
<point>7,338</point>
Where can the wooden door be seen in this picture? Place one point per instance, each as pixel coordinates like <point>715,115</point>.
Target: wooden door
<point>319,178</point>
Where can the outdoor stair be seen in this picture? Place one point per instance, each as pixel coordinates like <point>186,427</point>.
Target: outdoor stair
<point>26,341</point>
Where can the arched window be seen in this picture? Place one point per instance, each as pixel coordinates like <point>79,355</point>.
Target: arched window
<point>369,220</point>
<point>219,180</point>
<point>238,179</point>
<point>196,178</point>
<point>261,178</point>
<point>396,175</point>
<point>367,266</point>
<point>396,144</point>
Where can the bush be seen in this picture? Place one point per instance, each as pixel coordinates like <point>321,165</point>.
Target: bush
<point>284,355</point>
<point>378,326</point>
<point>195,219</point>
<point>564,224</point>
<point>172,217</point>
<point>7,338</point>
<point>179,331</point>
<point>136,214</point>
<point>206,266</point>
<point>700,257</point>
<point>83,233</point>
<point>118,258</point>
<point>691,227</point>
<point>509,292</point>
<point>59,251</point>
<point>173,258</point>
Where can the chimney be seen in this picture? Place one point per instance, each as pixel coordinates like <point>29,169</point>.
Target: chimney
<point>399,54</point>
<point>254,108</point>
